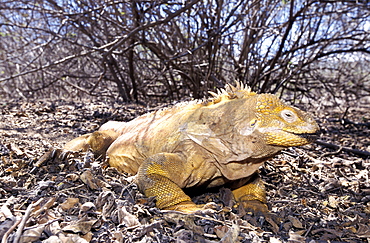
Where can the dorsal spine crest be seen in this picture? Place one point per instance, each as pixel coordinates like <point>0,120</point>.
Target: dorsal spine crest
<point>231,92</point>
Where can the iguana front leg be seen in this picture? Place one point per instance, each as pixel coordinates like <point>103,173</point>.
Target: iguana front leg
<point>162,176</point>
<point>252,195</point>
<point>98,142</point>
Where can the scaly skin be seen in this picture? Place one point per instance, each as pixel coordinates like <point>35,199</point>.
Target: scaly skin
<point>204,144</point>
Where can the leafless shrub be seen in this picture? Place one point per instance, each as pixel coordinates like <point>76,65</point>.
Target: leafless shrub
<point>159,50</point>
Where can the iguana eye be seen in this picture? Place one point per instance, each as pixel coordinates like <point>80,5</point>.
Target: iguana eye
<point>253,122</point>
<point>289,115</point>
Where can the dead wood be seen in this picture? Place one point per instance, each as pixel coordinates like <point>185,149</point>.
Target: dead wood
<point>338,147</point>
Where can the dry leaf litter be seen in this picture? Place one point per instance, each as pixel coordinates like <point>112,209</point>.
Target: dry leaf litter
<point>318,194</point>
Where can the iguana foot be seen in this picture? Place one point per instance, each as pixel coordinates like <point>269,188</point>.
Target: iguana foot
<point>252,197</point>
<point>97,142</point>
<point>54,155</point>
<point>259,208</point>
<point>255,207</point>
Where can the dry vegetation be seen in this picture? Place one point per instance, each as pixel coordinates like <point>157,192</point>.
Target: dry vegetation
<point>167,50</point>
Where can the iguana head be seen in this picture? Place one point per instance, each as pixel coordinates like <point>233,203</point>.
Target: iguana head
<point>274,121</point>
<point>282,124</point>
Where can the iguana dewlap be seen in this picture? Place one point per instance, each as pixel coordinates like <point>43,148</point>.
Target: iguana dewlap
<point>222,141</point>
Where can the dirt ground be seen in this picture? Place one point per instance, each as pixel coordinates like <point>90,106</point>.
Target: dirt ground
<point>318,193</point>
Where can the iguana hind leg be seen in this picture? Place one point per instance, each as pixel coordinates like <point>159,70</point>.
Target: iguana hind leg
<point>162,176</point>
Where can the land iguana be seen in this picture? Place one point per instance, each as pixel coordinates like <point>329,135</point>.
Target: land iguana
<point>222,141</point>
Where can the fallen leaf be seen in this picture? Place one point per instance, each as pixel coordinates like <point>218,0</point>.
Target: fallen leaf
<point>53,228</point>
<point>231,235</point>
<point>5,211</point>
<point>363,231</point>
<point>87,206</point>
<point>52,239</point>
<point>187,220</point>
<point>87,237</point>
<point>32,235</point>
<point>183,236</point>
<point>296,223</point>
<point>333,202</point>
<point>146,229</point>
<point>69,203</point>
<point>294,237</point>
<point>16,150</point>
<point>127,218</point>
<point>106,203</point>
<point>274,240</point>
<point>79,227</point>
<point>6,225</point>
<point>72,177</point>
<point>72,238</point>
<point>88,178</point>
<point>331,231</point>
<point>118,236</point>
<point>221,230</point>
